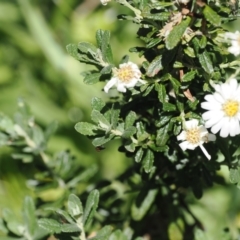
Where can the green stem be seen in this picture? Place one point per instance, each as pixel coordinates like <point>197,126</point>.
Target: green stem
<point>135,10</point>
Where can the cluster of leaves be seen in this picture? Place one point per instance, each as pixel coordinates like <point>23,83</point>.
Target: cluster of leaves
<point>183,52</point>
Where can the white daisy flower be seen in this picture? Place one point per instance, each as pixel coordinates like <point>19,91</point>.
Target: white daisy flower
<point>105,2</point>
<point>194,136</point>
<point>223,109</point>
<point>235,41</point>
<point>126,76</point>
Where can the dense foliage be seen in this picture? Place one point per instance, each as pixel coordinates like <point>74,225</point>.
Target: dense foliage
<point>161,113</point>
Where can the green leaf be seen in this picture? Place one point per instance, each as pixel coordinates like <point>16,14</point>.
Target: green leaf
<point>99,141</point>
<point>175,83</point>
<point>91,78</point>
<point>86,47</point>
<point>129,132</point>
<point>148,161</point>
<point>75,208</point>
<point>130,119</point>
<point>72,50</point>
<point>86,128</point>
<point>104,233</point>
<point>103,40</point>
<point>189,76</point>
<point>91,206</point>
<point>177,32</point>
<point>29,215</point>
<point>160,88</point>
<point>100,119</point>
<point>97,103</point>
<point>211,16</point>
<point>118,235</point>
<point>169,107</point>
<point>69,228</point>
<point>130,147</point>
<point>203,42</point>
<point>206,62</point>
<point>50,225</point>
<point>139,155</point>
<point>64,214</point>
<point>234,175</point>
<point>139,211</point>
<point>114,117</point>
<point>51,129</point>
<point>162,136</point>
<point>84,176</point>
<point>155,66</point>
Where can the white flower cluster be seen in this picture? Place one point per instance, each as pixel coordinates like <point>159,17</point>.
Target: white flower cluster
<point>194,135</point>
<point>222,115</point>
<point>126,76</point>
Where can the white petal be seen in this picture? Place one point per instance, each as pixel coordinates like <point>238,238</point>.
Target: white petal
<point>110,84</point>
<point>131,83</point>
<point>121,87</point>
<point>184,145</point>
<point>213,120</point>
<point>225,130</point>
<point>218,126</point>
<point>205,151</point>
<point>182,136</point>
<point>233,127</point>
<point>211,106</point>
<point>193,123</point>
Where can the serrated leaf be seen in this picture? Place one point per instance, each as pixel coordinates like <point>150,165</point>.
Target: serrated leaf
<point>138,211</point>
<point>155,66</point>
<point>129,132</point>
<point>139,155</point>
<point>29,215</point>
<point>91,206</point>
<point>130,147</point>
<point>97,103</point>
<point>211,16</point>
<point>206,62</point>
<point>148,161</point>
<point>234,175</point>
<point>75,208</point>
<point>177,32</point>
<point>86,128</point>
<point>92,78</point>
<point>50,225</point>
<point>189,76</point>
<point>100,119</point>
<point>99,141</point>
<point>160,88</point>
<point>69,228</point>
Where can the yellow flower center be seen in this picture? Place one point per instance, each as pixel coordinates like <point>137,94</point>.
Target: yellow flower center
<point>230,108</point>
<point>125,74</point>
<point>193,135</point>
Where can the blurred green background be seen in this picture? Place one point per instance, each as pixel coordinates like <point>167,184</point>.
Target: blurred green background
<point>34,65</point>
